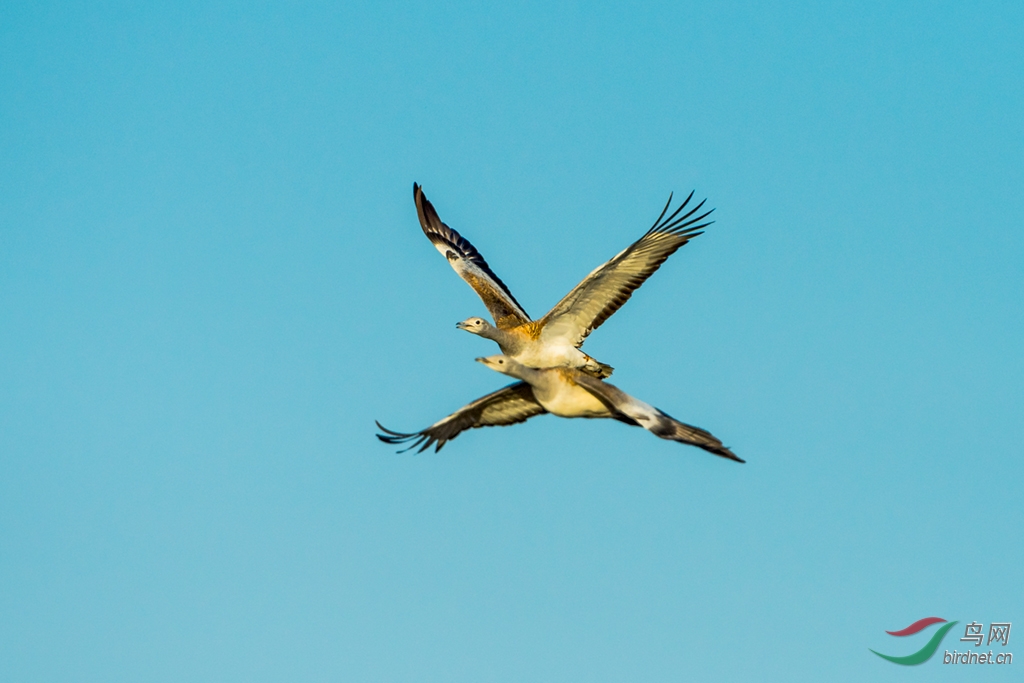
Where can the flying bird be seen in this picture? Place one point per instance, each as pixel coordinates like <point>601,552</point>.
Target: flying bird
<point>554,341</point>
<point>565,392</point>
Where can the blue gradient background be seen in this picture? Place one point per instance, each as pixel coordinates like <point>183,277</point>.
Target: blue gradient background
<point>212,281</point>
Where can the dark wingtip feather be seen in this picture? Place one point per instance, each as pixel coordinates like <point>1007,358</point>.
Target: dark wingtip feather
<point>676,222</point>
<point>682,224</point>
<point>394,438</point>
<point>662,215</point>
<point>406,450</point>
<point>723,452</point>
<point>390,431</point>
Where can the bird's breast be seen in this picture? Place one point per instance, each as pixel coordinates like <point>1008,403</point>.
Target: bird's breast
<point>570,400</point>
<point>539,355</point>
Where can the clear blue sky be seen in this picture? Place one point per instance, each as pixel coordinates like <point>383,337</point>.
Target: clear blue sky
<point>212,281</point>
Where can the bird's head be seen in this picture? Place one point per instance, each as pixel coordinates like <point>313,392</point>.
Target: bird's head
<point>500,363</point>
<point>474,325</point>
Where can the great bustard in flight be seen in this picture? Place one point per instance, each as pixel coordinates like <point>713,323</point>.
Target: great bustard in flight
<point>566,392</point>
<point>555,340</point>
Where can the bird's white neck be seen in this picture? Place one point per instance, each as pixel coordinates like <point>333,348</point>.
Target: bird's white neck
<point>509,343</point>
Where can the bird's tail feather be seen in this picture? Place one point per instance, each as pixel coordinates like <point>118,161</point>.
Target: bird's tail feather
<point>596,368</point>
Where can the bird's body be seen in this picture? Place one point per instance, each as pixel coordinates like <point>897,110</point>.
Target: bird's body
<point>528,345</point>
<point>565,392</point>
<point>559,394</point>
<point>555,340</point>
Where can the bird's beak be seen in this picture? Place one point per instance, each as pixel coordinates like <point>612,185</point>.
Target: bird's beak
<point>460,326</point>
<point>481,360</point>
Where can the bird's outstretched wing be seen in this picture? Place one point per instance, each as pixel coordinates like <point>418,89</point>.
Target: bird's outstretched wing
<point>652,419</point>
<point>470,265</point>
<point>667,427</point>
<point>606,289</point>
<point>515,403</point>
